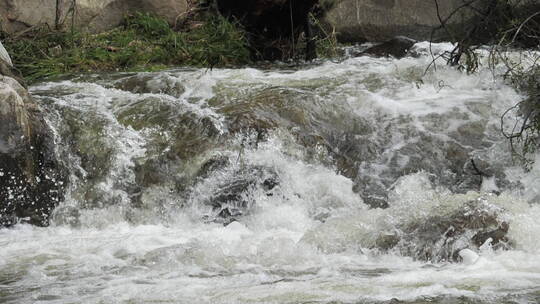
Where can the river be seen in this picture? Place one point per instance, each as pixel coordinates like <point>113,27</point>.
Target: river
<point>262,185</point>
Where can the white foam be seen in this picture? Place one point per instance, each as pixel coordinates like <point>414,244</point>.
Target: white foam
<point>469,257</point>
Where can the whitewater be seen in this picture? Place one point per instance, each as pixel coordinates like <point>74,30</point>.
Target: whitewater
<point>324,158</point>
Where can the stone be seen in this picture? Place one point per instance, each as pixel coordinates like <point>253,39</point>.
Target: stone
<point>148,83</point>
<point>440,238</point>
<point>4,56</point>
<point>397,47</point>
<point>91,15</point>
<point>32,178</point>
<point>380,20</point>
<point>232,200</point>
<point>7,69</point>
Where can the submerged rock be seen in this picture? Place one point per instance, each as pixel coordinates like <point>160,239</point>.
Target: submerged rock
<point>397,47</point>
<point>31,177</point>
<point>233,197</point>
<point>149,83</point>
<point>362,148</point>
<point>442,237</point>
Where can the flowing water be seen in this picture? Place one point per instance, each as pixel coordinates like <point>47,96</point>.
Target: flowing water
<point>281,185</point>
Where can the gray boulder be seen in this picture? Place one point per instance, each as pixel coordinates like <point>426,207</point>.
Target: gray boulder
<point>91,15</point>
<point>397,47</point>
<point>4,56</point>
<point>232,198</point>
<point>440,238</point>
<point>380,20</point>
<point>31,177</point>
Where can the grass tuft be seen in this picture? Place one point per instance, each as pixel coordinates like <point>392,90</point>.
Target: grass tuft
<point>143,42</point>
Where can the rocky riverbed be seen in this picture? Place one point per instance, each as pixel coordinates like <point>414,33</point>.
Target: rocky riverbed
<point>369,180</point>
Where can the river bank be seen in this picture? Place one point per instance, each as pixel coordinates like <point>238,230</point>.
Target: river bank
<point>143,42</point>
<point>110,35</point>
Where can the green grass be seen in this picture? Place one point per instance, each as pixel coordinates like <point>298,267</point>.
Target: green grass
<point>144,42</point>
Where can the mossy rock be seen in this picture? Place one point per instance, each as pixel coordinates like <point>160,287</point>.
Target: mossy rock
<point>149,83</point>
<point>147,112</point>
<point>87,133</point>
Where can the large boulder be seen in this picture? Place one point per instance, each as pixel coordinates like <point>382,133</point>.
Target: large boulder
<point>380,20</point>
<point>6,66</point>
<point>31,177</point>
<point>441,237</point>
<point>4,56</point>
<point>92,15</point>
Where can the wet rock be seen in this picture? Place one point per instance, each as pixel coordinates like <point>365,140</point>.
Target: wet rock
<point>166,141</point>
<point>32,179</point>
<point>265,110</point>
<point>387,241</point>
<point>86,135</point>
<point>149,112</point>
<point>149,83</point>
<point>440,238</point>
<point>176,138</point>
<point>447,161</point>
<point>232,198</point>
<point>153,171</point>
<point>213,164</point>
<point>172,130</point>
<point>192,136</point>
<point>67,215</point>
<point>363,148</point>
<point>397,47</point>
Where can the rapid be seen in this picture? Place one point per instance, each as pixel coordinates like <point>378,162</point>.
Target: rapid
<point>312,184</point>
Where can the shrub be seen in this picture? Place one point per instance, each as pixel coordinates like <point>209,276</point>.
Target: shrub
<point>507,25</point>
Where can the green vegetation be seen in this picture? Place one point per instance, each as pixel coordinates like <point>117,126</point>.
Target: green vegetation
<point>325,38</point>
<point>325,35</point>
<point>525,136</point>
<point>143,42</point>
<point>507,25</point>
